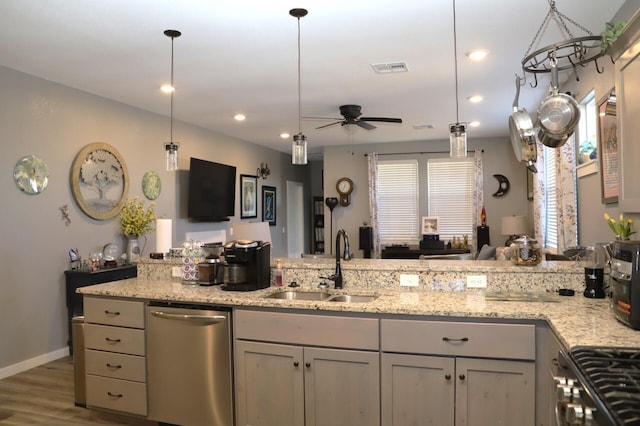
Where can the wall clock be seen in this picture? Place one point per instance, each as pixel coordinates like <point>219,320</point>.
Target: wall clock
<point>99,181</point>
<point>344,186</point>
<point>31,175</point>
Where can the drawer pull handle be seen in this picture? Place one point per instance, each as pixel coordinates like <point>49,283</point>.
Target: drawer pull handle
<point>447,376</point>
<point>115,367</point>
<point>112,313</point>
<point>462,377</point>
<point>115,395</point>
<point>112,340</point>
<point>447,339</point>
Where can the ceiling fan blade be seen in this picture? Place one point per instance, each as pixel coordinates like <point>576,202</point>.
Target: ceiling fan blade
<point>364,125</point>
<point>322,118</point>
<point>330,124</point>
<point>382,119</point>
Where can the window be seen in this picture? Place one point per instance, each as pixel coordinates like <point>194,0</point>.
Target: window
<point>451,185</point>
<point>398,201</point>
<point>551,227</point>
<point>587,148</point>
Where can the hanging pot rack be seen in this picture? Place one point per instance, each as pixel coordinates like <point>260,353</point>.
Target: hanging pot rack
<point>571,52</point>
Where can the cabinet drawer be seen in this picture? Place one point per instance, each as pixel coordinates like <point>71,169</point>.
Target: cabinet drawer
<point>124,313</point>
<point>114,339</point>
<point>117,366</point>
<point>510,341</point>
<point>303,329</point>
<point>119,395</point>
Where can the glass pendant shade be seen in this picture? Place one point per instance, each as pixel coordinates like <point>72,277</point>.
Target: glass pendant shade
<point>299,150</point>
<point>458,140</point>
<point>172,156</point>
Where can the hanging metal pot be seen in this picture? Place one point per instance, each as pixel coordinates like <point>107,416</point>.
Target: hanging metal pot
<point>523,139</point>
<point>558,114</point>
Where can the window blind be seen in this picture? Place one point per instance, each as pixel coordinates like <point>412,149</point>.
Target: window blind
<point>398,201</point>
<point>450,190</point>
<point>551,228</point>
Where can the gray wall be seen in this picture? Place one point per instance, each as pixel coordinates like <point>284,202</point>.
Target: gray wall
<point>54,122</point>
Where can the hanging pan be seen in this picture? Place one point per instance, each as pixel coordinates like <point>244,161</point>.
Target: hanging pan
<point>558,114</point>
<point>523,139</point>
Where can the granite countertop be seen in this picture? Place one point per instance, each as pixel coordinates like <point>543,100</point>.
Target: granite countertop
<point>576,320</point>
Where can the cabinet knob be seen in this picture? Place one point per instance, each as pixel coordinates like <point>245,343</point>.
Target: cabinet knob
<point>296,363</point>
<point>447,376</point>
<point>307,364</point>
<point>462,377</point>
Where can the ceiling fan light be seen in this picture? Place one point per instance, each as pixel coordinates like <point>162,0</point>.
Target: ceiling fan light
<point>458,140</point>
<point>299,150</point>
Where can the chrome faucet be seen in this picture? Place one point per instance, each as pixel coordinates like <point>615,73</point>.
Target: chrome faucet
<point>346,255</point>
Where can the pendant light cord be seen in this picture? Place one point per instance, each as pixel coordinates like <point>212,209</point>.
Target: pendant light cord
<point>299,84</point>
<point>173,89</point>
<point>455,57</point>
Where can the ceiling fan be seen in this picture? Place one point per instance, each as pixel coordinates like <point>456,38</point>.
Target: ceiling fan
<point>352,115</point>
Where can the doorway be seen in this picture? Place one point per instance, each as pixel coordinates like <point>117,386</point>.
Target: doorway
<point>295,219</point>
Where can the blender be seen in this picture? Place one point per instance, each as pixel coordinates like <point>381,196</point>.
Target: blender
<point>596,260</point>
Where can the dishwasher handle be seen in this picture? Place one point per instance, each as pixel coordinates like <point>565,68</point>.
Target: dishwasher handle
<point>202,319</point>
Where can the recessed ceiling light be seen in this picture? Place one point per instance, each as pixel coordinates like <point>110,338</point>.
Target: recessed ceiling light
<point>284,135</point>
<point>239,117</point>
<point>477,55</point>
<point>422,126</point>
<point>474,124</point>
<point>167,88</point>
<point>475,99</point>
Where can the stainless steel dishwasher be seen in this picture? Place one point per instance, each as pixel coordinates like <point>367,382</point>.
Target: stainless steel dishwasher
<point>189,373</point>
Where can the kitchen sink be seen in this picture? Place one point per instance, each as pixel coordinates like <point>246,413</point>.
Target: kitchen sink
<point>351,298</point>
<point>320,296</point>
<point>299,295</point>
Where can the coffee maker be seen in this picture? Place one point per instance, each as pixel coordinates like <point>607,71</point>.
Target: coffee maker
<point>247,265</point>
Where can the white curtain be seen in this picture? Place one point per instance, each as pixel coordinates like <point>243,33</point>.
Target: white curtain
<point>478,194</point>
<point>566,203</point>
<point>372,160</point>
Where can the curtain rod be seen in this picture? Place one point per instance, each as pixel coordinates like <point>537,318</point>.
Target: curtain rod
<point>422,152</point>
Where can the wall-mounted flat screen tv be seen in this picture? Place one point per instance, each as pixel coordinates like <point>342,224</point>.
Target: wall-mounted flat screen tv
<point>212,191</point>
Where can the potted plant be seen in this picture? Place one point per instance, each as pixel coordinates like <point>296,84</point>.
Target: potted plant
<point>136,221</point>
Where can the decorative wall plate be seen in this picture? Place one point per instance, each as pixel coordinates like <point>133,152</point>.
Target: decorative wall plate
<point>31,174</point>
<point>151,185</point>
<point>100,181</point>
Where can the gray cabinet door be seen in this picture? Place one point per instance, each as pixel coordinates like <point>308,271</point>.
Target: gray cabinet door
<point>417,390</point>
<point>494,392</point>
<point>269,384</point>
<point>342,387</point>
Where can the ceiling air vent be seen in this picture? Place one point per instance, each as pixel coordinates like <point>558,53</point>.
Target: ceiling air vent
<point>391,67</point>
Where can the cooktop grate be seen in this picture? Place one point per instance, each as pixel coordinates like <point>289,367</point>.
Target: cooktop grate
<point>614,376</point>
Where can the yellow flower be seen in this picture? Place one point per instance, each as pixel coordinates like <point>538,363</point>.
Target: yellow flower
<point>621,229</point>
<point>135,219</point>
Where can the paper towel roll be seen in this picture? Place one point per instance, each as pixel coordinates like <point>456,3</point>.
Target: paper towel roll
<point>163,235</point>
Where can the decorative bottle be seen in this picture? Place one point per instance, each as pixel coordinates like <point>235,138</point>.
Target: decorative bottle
<point>483,217</point>
<point>278,274</point>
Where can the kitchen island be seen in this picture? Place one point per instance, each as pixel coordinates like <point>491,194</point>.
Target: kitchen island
<point>511,325</point>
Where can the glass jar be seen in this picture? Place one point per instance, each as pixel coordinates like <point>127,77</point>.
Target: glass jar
<point>525,251</point>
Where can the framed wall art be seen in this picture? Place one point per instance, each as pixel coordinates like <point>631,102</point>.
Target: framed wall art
<point>99,181</point>
<point>248,197</point>
<point>608,147</point>
<point>269,205</point>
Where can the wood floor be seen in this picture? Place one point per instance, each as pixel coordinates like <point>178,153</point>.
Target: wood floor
<point>44,396</point>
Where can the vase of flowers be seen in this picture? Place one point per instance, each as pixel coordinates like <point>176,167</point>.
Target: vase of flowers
<point>136,221</point>
<point>621,227</point>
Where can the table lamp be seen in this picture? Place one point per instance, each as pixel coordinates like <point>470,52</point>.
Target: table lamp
<point>514,227</point>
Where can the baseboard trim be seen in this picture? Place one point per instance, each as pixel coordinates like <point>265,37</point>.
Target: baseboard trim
<point>33,362</point>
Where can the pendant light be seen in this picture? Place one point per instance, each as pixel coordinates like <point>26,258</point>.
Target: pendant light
<point>299,146</point>
<point>458,130</point>
<point>171,147</point>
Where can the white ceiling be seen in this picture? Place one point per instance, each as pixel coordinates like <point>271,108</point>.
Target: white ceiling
<point>241,56</point>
